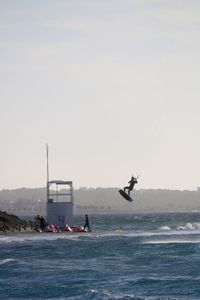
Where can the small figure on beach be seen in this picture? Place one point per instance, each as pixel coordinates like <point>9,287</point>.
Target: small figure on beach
<point>37,223</point>
<point>87,224</point>
<point>132,182</point>
<point>40,223</point>
<point>43,223</point>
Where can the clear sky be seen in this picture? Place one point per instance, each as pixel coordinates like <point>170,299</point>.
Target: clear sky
<point>111,85</point>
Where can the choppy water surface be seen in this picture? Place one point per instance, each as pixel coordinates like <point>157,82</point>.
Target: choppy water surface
<point>153,256</point>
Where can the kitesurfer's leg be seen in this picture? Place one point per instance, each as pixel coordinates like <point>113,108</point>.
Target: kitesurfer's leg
<point>126,188</point>
<point>130,188</point>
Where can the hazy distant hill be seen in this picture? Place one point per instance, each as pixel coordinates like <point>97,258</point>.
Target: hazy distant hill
<point>26,201</point>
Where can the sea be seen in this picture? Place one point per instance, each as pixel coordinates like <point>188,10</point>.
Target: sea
<point>126,256</point>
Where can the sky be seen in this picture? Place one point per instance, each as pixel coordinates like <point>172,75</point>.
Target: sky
<point>111,85</point>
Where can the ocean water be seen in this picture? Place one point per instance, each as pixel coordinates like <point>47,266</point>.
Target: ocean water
<point>133,256</point>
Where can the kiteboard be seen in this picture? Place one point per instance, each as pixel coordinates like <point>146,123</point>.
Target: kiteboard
<point>125,195</point>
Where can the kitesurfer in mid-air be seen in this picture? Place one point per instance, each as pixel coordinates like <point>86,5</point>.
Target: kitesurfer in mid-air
<point>132,182</point>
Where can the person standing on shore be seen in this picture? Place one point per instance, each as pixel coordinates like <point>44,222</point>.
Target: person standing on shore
<point>87,224</point>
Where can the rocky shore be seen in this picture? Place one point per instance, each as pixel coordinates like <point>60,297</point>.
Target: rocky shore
<point>12,223</point>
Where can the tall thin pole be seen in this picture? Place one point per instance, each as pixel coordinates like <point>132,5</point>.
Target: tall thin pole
<point>47,149</point>
<point>47,152</point>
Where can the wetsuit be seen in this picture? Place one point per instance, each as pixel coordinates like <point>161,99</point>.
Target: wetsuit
<point>132,182</point>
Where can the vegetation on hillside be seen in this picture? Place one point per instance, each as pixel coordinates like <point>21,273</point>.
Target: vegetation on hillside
<point>11,222</point>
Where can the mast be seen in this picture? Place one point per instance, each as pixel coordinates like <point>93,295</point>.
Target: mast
<point>47,152</point>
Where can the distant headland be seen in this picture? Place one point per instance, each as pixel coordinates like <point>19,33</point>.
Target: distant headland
<point>31,201</point>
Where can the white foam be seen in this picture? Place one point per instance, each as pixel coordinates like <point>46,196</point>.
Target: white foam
<point>189,226</point>
<point>37,237</point>
<point>113,295</point>
<point>165,227</point>
<point>6,260</point>
<point>173,241</point>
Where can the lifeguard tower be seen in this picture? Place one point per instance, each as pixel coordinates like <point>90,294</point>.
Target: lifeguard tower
<point>59,208</point>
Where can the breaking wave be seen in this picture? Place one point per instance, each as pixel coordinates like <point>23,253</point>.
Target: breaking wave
<point>7,260</point>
